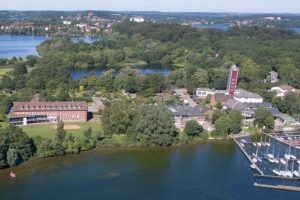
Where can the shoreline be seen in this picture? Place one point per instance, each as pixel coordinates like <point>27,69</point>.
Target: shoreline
<point>112,149</point>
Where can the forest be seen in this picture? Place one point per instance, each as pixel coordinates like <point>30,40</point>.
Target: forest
<point>199,58</point>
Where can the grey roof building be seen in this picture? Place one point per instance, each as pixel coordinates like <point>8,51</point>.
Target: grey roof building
<point>260,105</point>
<point>243,108</point>
<point>185,111</point>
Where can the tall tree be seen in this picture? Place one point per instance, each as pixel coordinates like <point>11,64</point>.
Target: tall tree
<point>193,128</point>
<point>60,131</point>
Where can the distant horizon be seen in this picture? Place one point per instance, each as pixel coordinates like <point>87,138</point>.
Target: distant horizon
<point>201,6</point>
<point>208,12</point>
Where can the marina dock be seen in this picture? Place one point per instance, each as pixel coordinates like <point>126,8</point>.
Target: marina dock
<point>248,157</point>
<point>278,187</point>
<point>277,177</point>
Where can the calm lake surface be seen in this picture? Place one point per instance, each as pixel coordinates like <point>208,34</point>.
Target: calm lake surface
<point>24,45</point>
<point>295,29</point>
<point>80,73</point>
<point>213,170</point>
<point>19,45</point>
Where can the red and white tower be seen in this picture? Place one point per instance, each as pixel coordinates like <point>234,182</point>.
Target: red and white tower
<point>232,80</point>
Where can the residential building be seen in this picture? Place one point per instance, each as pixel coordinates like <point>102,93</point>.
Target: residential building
<point>245,96</point>
<point>65,22</point>
<point>236,105</point>
<point>282,90</point>
<point>184,113</point>
<point>219,98</point>
<point>39,111</point>
<point>137,19</point>
<point>204,92</point>
<point>284,119</point>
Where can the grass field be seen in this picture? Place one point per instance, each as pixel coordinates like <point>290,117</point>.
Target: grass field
<point>49,130</point>
<point>4,70</point>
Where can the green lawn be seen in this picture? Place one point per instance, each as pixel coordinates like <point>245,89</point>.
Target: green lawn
<point>4,70</point>
<point>48,130</point>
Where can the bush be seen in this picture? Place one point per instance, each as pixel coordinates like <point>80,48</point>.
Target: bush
<point>193,128</point>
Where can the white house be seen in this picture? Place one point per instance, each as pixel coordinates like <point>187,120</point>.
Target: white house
<point>204,92</point>
<point>137,19</point>
<point>245,96</point>
<point>282,90</point>
<point>65,22</point>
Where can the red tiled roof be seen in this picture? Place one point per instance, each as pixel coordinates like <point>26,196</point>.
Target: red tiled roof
<point>49,106</point>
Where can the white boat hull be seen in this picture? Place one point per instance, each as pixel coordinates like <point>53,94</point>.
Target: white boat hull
<point>277,172</point>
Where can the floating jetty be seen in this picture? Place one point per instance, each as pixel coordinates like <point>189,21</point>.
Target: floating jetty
<point>278,187</point>
<point>277,177</point>
<point>245,153</point>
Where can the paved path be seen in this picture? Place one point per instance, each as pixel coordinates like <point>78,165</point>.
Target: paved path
<point>184,95</point>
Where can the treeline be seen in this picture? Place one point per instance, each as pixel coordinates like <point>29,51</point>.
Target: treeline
<point>16,147</point>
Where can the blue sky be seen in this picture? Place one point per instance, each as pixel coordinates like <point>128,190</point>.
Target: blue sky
<point>282,6</point>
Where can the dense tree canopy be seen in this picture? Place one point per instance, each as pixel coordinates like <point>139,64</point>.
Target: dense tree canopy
<point>15,146</point>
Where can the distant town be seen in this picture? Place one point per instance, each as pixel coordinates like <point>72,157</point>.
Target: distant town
<point>101,22</point>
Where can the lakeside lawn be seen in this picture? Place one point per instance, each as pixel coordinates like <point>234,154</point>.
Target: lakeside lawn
<point>49,130</point>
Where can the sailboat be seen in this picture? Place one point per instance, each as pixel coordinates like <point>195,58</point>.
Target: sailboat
<point>268,143</point>
<point>252,166</point>
<point>276,160</point>
<point>271,160</point>
<point>259,144</point>
<point>289,155</point>
<point>283,161</point>
<point>277,172</point>
<point>254,159</point>
<point>271,155</point>
<point>295,172</point>
<point>286,172</point>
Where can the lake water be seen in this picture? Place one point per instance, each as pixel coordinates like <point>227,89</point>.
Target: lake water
<point>24,45</point>
<point>80,73</point>
<point>222,27</point>
<point>19,45</point>
<point>295,29</point>
<point>213,170</point>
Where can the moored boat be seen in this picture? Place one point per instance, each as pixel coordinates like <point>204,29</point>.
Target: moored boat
<point>12,174</point>
<point>270,155</point>
<point>282,161</point>
<point>296,173</point>
<point>277,172</point>
<point>276,160</point>
<point>271,160</point>
<point>252,166</point>
<point>259,144</point>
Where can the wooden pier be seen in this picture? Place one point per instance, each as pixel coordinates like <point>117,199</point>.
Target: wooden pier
<point>278,187</point>
<point>245,153</point>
